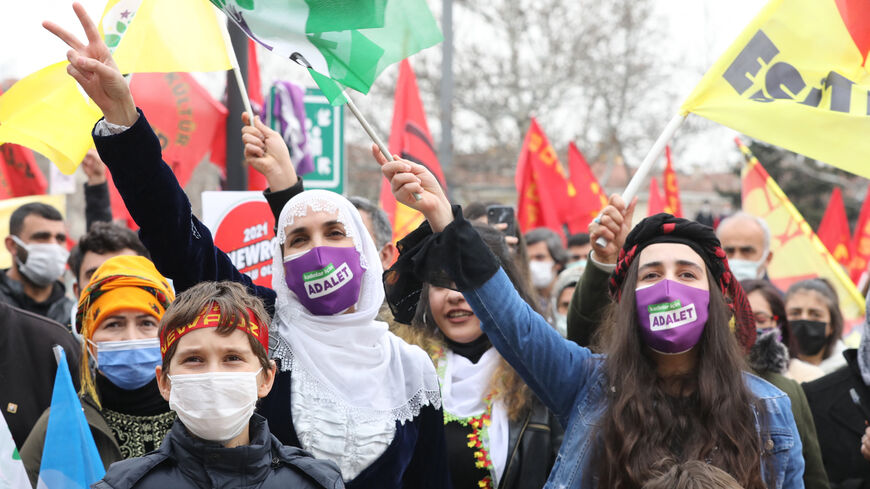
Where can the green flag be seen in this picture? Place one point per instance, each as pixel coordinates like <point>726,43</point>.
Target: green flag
<point>347,42</point>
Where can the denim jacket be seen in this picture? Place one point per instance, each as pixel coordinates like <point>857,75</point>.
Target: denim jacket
<point>570,380</point>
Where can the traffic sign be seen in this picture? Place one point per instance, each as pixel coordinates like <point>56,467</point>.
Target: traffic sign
<point>324,124</point>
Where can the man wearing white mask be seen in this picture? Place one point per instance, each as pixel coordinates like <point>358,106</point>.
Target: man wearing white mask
<point>37,243</point>
<point>547,257</point>
<point>746,241</point>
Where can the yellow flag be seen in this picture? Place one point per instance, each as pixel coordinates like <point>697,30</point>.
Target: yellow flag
<point>8,206</point>
<point>798,253</point>
<point>164,36</point>
<point>47,113</point>
<point>797,77</point>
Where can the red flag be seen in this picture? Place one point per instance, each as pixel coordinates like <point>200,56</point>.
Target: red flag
<point>410,139</point>
<point>861,242</point>
<point>255,92</point>
<point>184,116</point>
<point>544,193</point>
<point>834,229</point>
<point>656,201</point>
<point>256,180</point>
<point>590,197</point>
<point>672,189</point>
<point>19,174</point>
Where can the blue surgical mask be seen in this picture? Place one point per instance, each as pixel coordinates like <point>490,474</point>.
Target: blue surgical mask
<point>128,364</point>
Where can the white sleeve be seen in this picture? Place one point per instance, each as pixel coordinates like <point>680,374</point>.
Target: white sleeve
<point>604,267</point>
<point>106,128</point>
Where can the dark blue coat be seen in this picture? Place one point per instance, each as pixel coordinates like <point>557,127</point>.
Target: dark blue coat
<point>183,461</point>
<point>183,250</point>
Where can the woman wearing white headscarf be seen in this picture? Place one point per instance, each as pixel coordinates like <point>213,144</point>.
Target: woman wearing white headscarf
<point>357,394</point>
<point>348,390</point>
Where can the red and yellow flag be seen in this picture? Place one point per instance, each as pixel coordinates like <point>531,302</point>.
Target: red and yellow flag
<point>656,203</point>
<point>185,118</point>
<point>861,243</point>
<point>410,139</point>
<point>590,196</point>
<point>544,193</point>
<point>798,253</point>
<point>797,77</point>
<point>673,205</point>
<point>834,229</point>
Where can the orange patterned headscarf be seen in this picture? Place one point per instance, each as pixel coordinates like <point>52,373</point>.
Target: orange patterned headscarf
<point>120,283</point>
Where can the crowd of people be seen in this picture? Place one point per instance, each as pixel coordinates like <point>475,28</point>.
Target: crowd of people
<point>464,356</point>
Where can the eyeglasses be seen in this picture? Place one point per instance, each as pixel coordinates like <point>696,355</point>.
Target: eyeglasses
<point>765,318</point>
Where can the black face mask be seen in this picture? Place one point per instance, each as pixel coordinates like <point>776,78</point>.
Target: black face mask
<point>811,337</point>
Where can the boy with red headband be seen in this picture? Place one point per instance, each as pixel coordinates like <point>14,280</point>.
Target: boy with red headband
<point>214,340</point>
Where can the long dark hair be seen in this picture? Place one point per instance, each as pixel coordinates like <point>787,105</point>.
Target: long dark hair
<point>711,419</point>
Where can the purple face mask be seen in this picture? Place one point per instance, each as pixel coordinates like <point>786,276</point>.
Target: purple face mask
<point>326,279</point>
<point>672,315</point>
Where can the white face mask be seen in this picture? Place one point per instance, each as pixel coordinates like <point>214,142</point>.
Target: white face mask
<point>214,406</point>
<point>45,261</point>
<point>542,273</point>
<point>747,269</point>
<point>561,324</point>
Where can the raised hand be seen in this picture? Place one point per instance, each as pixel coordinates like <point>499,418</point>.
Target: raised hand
<point>94,168</point>
<point>94,69</point>
<point>406,179</point>
<point>613,224</point>
<point>267,153</point>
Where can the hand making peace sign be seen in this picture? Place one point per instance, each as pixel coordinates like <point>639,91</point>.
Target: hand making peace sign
<point>94,69</point>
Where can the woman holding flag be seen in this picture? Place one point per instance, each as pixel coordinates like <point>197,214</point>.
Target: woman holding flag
<point>347,389</point>
<point>499,434</point>
<point>670,384</point>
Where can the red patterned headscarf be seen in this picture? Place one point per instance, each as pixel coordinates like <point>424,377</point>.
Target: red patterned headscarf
<point>665,228</point>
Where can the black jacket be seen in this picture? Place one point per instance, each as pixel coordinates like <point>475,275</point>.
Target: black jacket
<point>56,308</point>
<point>183,461</point>
<point>28,366</point>
<point>840,423</point>
<point>98,204</point>
<point>533,446</point>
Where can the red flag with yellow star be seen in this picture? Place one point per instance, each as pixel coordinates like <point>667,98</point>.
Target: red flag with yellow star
<point>672,188</point>
<point>544,194</point>
<point>834,229</point>
<point>861,242</point>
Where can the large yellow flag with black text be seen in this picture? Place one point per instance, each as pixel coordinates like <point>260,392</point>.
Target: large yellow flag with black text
<point>797,77</point>
<point>798,253</point>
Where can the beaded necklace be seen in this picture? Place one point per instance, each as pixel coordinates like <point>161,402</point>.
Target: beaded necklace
<point>478,439</point>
